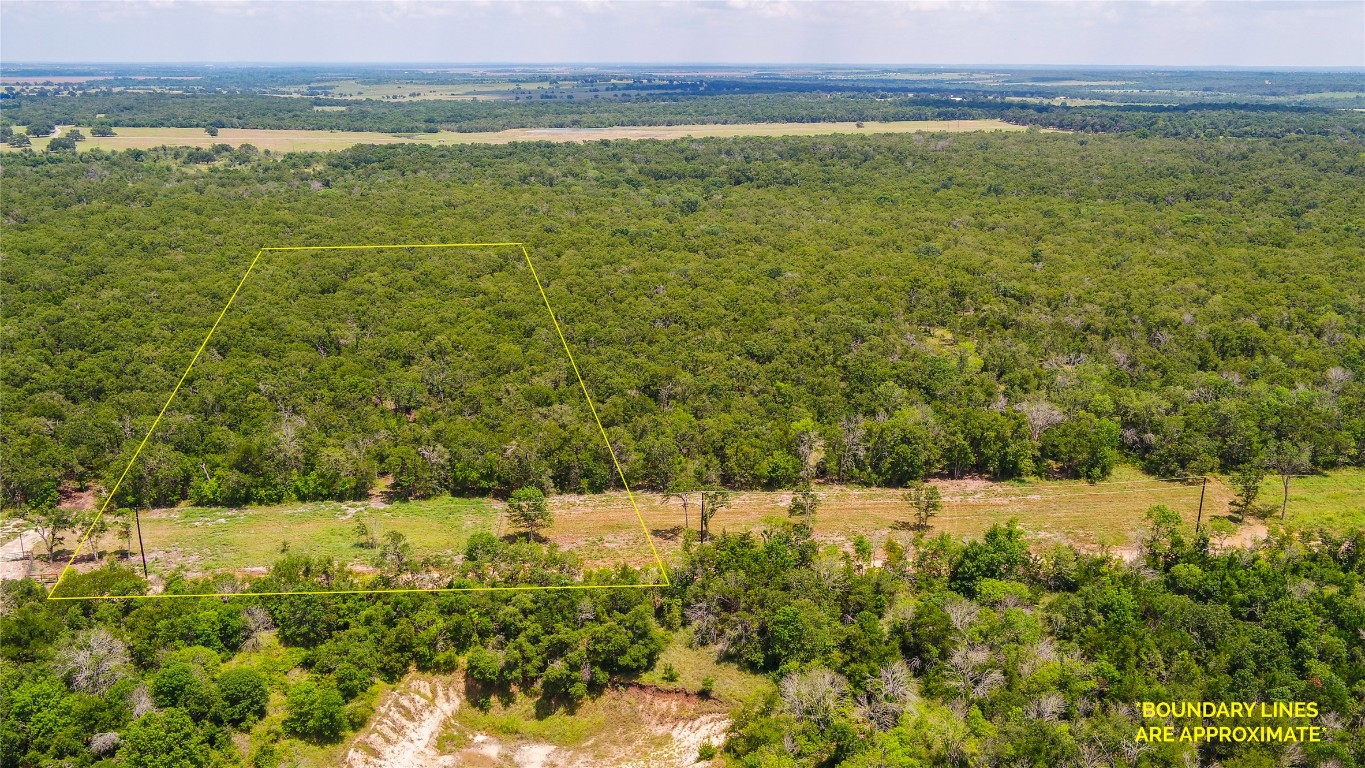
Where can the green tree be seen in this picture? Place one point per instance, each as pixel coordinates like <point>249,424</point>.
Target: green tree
<point>527,508</point>
<point>1288,459</point>
<point>803,504</point>
<point>1086,447</point>
<point>315,712</point>
<point>1001,554</point>
<point>682,489</point>
<point>1247,484</point>
<point>713,500</point>
<point>188,687</point>
<point>395,554</point>
<point>799,632</point>
<point>365,535</point>
<point>245,695</point>
<point>926,500</point>
<point>50,520</point>
<point>166,739</point>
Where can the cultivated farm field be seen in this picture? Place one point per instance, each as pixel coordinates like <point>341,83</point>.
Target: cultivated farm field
<point>323,141</point>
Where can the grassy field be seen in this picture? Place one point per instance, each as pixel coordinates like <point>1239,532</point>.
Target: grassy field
<point>1334,500</point>
<point>311,141</point>
<point>213,539</point>
<point>604,530</point>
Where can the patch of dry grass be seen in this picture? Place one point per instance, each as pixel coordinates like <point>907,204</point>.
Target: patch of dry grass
<point>1109,513</point>
<point>324,141</point>
<point>603,530</point>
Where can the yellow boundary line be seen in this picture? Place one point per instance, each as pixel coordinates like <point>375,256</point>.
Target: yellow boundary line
<point>663,569</point>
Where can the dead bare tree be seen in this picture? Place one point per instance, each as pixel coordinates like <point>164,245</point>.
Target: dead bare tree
<point>705,626</point>
<point>94,662</point>
<point>812,696</point>
<point>888,694</point>
<point>1040,415</point>
<point>258,622</point>
<point>1047,707</point>
<point>961,612</point>
<point>854,445</point>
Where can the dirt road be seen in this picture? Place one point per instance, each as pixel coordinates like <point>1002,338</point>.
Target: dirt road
<point>15,555</point>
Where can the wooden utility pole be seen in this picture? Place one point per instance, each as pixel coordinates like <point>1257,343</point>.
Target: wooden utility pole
<point>702,514</point>
<point>138,519</point>
<point>1199,517</point>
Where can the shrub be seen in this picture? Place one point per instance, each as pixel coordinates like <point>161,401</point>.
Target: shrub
<point>351,681</point>
<point>316,713</point>
<point>245,695</point>
<point>483,667</point>
<point>167,738</point>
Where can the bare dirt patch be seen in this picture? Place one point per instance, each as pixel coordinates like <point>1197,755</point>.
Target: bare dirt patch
<point>78,499</point>
<point>633,726</point>
<point>405,726</point>
<point>17,560</point>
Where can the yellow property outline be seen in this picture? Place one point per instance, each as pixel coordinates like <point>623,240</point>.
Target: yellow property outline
<point>663,569</point>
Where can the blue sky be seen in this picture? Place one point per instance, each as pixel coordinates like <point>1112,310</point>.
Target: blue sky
<point>1009,32</point>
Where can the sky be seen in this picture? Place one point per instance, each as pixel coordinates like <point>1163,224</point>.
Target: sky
<point>1219,33</point>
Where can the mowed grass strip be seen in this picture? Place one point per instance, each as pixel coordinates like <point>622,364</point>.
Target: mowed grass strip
<point>205,540</point>
<point>603,530</point>
<point>1077,512</point>
<point>324,141</point>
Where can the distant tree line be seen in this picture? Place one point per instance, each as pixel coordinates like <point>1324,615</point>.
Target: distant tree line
<point>251,110</point>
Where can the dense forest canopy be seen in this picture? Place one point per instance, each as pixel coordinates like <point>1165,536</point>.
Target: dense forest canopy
<point>747,312</point>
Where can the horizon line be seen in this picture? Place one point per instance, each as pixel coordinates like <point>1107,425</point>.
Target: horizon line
<point>710,64</point>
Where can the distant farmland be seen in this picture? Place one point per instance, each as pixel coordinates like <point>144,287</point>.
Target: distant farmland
<point>322,141</point>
